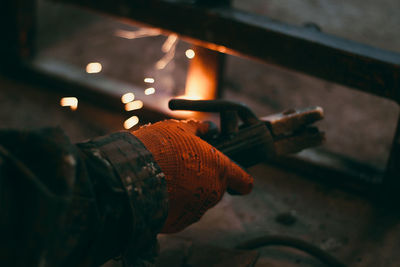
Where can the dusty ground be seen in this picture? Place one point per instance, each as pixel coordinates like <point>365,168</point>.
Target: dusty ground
<point>357,124</point>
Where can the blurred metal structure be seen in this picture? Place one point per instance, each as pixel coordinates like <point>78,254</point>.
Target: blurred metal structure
<point>216,26</point>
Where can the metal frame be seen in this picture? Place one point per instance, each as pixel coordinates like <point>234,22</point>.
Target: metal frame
<point>220,28</point>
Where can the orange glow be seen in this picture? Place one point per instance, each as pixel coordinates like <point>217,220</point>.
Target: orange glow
<point>132,121</point>
<point>134,105</point>
<point>149,80</point>
<point>196,87</point>
<point>190,53</point>
<point>71,102</point>
<point>190,97</point>
<point>128,97</point>
<point>93,67</point>
<point>202,77</point>
<point>149,91</point>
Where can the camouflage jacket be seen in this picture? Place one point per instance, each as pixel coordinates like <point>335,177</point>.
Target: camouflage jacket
<point>78,205</point>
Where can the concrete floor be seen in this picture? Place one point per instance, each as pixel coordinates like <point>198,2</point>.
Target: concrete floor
<point>359,125</point>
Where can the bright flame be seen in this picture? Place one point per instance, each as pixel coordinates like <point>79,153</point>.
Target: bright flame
<point>71,102</point>
<point>190,53</point>
<point>137,34</point>
<point>93,67</point>
<point>195,88</point>
<point>132,121</point>
<point>133,105</point>
<point>149,91</point>
<point>128,97</point>
<point>148,80</point>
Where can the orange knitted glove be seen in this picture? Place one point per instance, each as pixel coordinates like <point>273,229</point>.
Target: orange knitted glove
<point>197,174</point>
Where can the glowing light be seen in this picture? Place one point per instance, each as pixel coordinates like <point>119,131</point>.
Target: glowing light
<point>195,87</point>
<point>132,121</point>
<point>137,34</point>
<point>190,53</point>
<point>71,102</point>
<point>93,67</point>
<point>190,97</point>
<point>149,91</point>
<point>148,80</point>
<point>169,48</point>
<point>169,43</point>
<point>128,97</point>
<point>201,82</point>
<point>133,105</point>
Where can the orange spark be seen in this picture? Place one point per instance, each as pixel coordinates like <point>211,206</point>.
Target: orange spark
<point>93,67</point>
<point>149,80</point>
<point>128,97</point>
<point>169,48</point>
<point>133,105</point>
<point>71,102</point>
<point>149,91</point>
<point>132,121</point>
<point>168,44</point>
<point>190,53</point>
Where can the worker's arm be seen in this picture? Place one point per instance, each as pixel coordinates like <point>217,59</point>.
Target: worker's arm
<point>77,205</point>
<point>80,205</point>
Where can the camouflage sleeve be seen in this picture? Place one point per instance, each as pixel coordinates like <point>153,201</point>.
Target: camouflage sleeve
<point>142,182</point>
<point>67,205</point>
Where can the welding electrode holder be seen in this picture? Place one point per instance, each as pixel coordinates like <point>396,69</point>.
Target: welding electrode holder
<point>249,140</point>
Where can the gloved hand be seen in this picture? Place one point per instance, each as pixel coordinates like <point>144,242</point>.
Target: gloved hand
<point>197,174</point>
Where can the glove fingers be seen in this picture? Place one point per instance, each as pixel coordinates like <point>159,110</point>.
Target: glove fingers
<point>197,127</point>
<point>238,180</point>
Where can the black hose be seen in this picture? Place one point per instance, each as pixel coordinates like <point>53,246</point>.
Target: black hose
<point>277,240</point>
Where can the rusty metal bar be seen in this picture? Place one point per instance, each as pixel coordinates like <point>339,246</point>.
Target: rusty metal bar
<point>235,32</point>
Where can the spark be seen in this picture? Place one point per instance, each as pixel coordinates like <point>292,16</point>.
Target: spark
<point>128,97</point>
<point>149,91</point>
<point>170,53</point>
<point>148,80</point>
<point>190,53</point>
<point>171,40</point>
<point>93,67</point>
<point>71,102</point>
<point>134,105</point>
<point>132,121</point>
<point>137,34</point>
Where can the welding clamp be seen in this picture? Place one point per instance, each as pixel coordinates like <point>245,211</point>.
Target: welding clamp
<point>249,140</point>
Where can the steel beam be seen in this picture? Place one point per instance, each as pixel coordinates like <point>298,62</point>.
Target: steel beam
<point>235,32</point>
